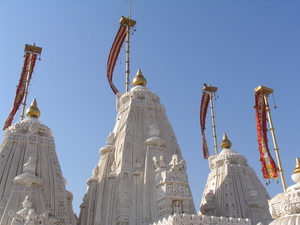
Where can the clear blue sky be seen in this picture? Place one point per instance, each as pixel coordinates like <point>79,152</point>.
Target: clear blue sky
<point>179,45</point>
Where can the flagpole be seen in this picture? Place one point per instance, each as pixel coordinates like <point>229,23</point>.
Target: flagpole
<point>129,23</point>
<point>213,124</point>
<point>127,82</point>
<point>27,83</point>
<point>266,91</point>
<point>212,90</point>
<point>32,49</point>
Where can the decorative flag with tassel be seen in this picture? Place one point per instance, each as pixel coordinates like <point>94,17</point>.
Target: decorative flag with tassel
<point>203,111</point>
<point>269,167</point>
<point>113,55</point>
<point>20,92</point>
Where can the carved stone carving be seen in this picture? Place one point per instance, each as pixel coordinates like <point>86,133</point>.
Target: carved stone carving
<point>185,219</point>
<point>140,97</point>
<point>94,177</point>
<point>159,163</point>
<point>138,168</point>
<point>27,215</point>
<point>209,207</point>
<point>285,203</point>
<point>113,173</point>
<point>173,192</point>
<point>177,207</point>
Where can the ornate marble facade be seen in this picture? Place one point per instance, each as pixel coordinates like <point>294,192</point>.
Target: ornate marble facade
<point>140,178</point>
<point>285,207</point>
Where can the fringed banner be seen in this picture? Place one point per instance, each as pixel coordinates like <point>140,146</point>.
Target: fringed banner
<point>269,167</point>
<point>113,55</point>
<point>20,92</point>
<point>203,111</point>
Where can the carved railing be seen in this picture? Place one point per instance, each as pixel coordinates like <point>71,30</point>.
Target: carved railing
<point>185,219</point>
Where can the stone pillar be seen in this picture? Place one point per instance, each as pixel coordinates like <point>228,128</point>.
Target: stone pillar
<point>136,203</point>
<point>104,165</point>
<point>91,196</point>
<point>111,190</point>
<point>155,146</point>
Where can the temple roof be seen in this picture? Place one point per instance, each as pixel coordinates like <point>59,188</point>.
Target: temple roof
<point>233,189</point>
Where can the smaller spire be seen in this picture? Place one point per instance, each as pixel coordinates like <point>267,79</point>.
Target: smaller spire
<point>296,174</point>
<point>225,143</point>
<point>139,79</point>
<point>29,167</point>
<point>33,110</point>
<point>297,168</point>
<point>27,203</point>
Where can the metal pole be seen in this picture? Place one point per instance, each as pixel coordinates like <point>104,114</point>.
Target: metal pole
<point>29,70</point>
<point>213,123</point>
<point>127,58</point>
<point>212,90</point>
<point>128,51</point>
<point>129,23</point>
<point>276,149</point>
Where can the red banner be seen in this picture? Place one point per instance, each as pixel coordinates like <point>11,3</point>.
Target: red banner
<point>269,167</point>
<point>113,55</point>
<point>20,92</point>
<point>203,111</point>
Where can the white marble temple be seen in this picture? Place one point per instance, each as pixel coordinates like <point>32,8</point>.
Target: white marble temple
<point>29,169</point>
<point>140,178</point>
<point>233,188</point>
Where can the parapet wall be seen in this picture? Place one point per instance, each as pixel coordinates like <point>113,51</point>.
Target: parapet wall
<point>185,219</point>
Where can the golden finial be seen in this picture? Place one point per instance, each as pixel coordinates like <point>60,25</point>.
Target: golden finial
<point>225,143</point>
<point>139,79</point>
<point>33,110</point>
<point>297,168</point>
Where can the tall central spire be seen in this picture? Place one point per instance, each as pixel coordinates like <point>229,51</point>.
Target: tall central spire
<point>141,175</point>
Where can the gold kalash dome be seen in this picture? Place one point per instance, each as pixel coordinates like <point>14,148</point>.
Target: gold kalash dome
<point>139,79</point>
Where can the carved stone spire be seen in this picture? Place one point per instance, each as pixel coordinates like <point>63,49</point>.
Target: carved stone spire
<point>127,189</point>
<point>297,168</point>
<point>233,189</point>
<point>29,166</point>
<point>29,159</point>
